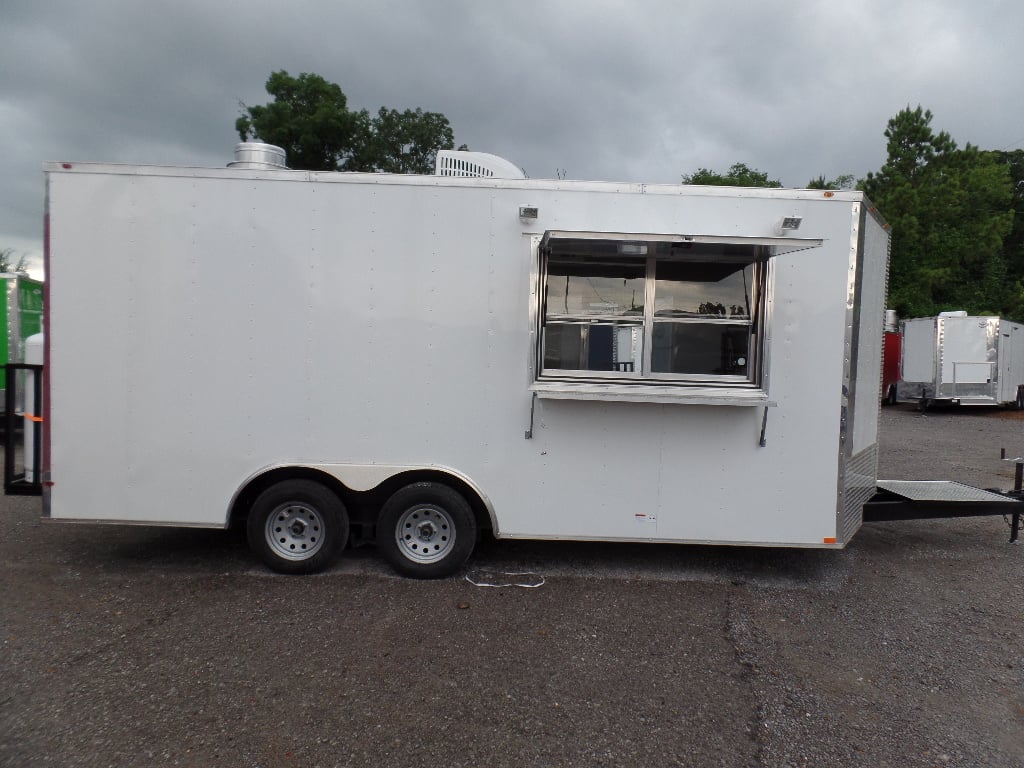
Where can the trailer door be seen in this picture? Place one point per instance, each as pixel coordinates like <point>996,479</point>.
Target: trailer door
<point>1011,360</point>
<point>967,365</point>
<point>918,354</point>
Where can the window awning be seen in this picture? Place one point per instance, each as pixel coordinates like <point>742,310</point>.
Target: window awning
<point>564,240</point>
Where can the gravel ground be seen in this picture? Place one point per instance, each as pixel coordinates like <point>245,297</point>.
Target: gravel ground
<point>139,647</point>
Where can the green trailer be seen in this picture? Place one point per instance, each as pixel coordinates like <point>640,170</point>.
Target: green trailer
<point>22,316</point>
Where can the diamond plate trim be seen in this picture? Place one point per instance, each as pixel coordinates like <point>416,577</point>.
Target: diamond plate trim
<point>859,486</point>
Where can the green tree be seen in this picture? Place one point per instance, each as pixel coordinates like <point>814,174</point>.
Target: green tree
<point>738,175</point>
<point>310,119</point>
<point>403,142</point>
<point>9,264</point>
<point>846,181</point>
<point>1013,243</point>
<point>950,211</point>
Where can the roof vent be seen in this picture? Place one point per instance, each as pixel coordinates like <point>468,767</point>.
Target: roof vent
<point>453,162</point>
<point>252,155</point>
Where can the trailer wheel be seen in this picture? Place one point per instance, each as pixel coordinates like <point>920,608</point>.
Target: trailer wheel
<point>1019,402</point>
<point>296,526</point>
<point>890,396</point>
<point>426,530</point>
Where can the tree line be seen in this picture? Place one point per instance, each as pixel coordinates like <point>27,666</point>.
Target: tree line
<point>10,263</point>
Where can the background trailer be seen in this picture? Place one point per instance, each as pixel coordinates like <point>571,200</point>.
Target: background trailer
<point>967,360</point>
<point>342,356</point>
<point>892,353</point>
<point>21,314</point>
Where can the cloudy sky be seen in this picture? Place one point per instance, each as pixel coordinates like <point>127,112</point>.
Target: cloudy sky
<point>638,90</point>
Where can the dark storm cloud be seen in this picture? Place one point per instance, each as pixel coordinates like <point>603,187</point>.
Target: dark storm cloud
<point>643,90</point>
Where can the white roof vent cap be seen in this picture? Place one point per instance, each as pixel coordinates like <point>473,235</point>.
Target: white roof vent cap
<point>454,162</point>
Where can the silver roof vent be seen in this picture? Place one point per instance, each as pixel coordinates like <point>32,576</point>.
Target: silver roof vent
<point>252,155</point>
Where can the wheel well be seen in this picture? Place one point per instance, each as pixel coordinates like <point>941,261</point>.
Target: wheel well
<point>468,492</point>
<point>244,499</point>
<point>363,506</point>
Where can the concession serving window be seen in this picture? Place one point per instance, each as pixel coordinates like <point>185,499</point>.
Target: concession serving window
<point>668,318</point>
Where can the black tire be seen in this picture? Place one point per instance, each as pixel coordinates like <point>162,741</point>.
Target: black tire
<point>426,530</point>
<point>297,526</point>
<point>1019,402</point>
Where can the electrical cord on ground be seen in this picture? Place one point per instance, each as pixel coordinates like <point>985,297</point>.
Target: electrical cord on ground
<point>498,579</point>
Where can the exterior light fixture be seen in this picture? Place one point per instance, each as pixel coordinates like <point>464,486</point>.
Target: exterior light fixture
<point>788,224</point>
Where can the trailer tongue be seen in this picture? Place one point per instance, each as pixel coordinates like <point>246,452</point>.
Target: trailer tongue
<point>937,499</point>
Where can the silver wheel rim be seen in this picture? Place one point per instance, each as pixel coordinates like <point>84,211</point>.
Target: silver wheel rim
<point>295,531</point>
<point>425,533</point>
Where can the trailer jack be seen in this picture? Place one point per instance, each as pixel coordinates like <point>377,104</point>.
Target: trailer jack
<point>1017,492</point>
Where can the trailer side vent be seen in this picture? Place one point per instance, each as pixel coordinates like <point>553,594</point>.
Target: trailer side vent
<point>453,162</point>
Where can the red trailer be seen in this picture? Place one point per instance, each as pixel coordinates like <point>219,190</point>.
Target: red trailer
<point>892,349</point>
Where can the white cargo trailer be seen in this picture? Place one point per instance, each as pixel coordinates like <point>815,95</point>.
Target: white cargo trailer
<point>346,357</point>
<point>962,359</point>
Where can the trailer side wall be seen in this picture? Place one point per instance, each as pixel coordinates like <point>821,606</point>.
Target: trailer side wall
<point>365,324</point>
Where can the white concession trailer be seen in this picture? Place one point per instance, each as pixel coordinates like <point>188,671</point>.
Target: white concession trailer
<point>343,357</point>
<point>962,359</point>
